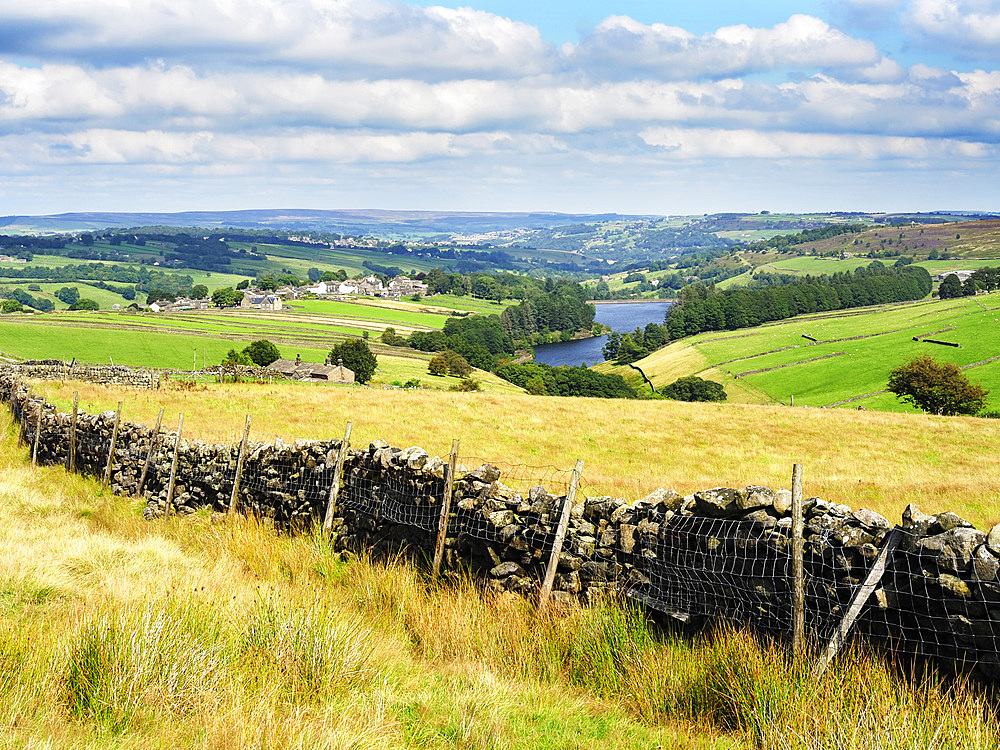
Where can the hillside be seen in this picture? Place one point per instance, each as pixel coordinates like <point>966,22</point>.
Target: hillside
<point>848,360</point>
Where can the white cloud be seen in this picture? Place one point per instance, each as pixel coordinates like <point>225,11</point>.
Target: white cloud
<point>755,144</point>
<point>620,46</point>
<point>360,37</point>
<point>962,27</point>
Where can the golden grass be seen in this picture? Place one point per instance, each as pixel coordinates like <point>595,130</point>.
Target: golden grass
<point>115,632</point>
<point>877,460</point>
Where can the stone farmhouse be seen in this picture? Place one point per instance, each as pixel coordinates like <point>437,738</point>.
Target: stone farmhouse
<point>298,370</point>
<point>260,301</point>
<point>401,286</point>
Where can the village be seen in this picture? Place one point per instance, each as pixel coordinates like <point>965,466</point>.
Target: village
<point>258,299</point>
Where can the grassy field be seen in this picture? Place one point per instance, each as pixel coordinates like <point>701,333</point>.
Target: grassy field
<point>859,367</point>
<point>875,460</point>
<point>120,633</point>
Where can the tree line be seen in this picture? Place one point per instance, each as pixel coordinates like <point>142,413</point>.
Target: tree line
<point>705,308</point>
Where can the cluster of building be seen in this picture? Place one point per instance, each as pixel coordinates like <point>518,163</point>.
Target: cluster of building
<point>369,286</point>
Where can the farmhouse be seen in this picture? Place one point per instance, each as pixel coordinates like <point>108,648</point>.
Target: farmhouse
<point>298,370</point>
<point>402,286</point>
<point>258,301</point>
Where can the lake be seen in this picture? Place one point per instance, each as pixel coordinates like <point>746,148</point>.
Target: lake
<point>623,317</point>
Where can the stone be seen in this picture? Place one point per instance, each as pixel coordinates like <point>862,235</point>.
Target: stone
<point>782,502</point>
<point>993,540</point>
<point>719,502</point>
<point>915,522</point>
<point>754,497</point>
<point>762,517</point>
<point>501,519</point>
<point>870,519</point>
<point>487,473</point>
<point>985,564</point>
<point>506,570</point>
<point>951,550</point>
<point>948,521</point>
<point>627,534</point>
<point>954,586</point>
<point>669,499</point>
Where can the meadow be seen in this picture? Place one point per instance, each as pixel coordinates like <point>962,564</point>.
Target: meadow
<point>881,461</point>
<point>120,633</point>
<point>860,366</point>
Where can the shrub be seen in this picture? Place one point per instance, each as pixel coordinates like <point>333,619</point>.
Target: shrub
<point>262,352</point>
<point>693,388</point>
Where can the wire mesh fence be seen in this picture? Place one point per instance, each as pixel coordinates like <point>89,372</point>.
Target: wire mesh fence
<point>723,554</point>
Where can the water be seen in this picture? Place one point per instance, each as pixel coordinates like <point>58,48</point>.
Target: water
<point>622,317</point>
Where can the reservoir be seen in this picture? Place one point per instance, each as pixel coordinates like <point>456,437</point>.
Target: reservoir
<point>622,317</point>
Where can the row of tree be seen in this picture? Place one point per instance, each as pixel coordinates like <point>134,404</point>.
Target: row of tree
<point>986,279</point>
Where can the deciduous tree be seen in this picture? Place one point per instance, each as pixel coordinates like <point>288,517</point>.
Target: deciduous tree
<point>936,387</point>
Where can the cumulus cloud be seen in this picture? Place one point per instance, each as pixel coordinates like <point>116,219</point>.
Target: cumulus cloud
<point>969,28</point>
<point>621,46</point>
<point>360,37</point>
<point>755,144</point>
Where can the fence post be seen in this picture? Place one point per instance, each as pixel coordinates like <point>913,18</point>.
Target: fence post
<point>798,574</point>
<point>71,458</point>
<point>550,571</point>
<point>173,466</point>
<point>449,485</point>
<point>331,503</point>
<point>153,440</point>
<point>38,432</point>
<point>20,423</point>
<point>239,467</point>
<point>858,602</point>
<point>111,450</point>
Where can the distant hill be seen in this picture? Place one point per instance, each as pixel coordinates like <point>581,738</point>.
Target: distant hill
<point>348,221</point>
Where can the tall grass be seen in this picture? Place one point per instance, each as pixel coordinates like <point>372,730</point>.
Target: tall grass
<point>258,639</point>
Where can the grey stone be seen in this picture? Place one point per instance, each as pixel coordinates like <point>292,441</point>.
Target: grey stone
<point>719,502</point>
<point>506,570</point>
<point>763,518</point>
<point>985,564</point>
<point>487,473</point>
<point>951,550</point>
<point>947,521</point>
<point>871,519</point>
<point>916,522</point>
<point>754,497</point>
<point>669,499</point>
<point>993,540</point>
<point>782,502</point>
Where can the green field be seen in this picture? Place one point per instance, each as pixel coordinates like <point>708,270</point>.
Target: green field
<point>860,366</point>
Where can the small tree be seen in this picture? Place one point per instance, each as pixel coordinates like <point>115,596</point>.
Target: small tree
<point>68,294</point>
<point>950,288</point>
<point>693,388</point>
<point>936,387</point>
<point>199,291</point>
<point>237,358</point>
<point>226,296</point>
<point>457,364</point>
<point>357,357</point>
<point>314,275</point>
<point>438,365</point>
<point>84,304</point>
<point>11,306</point>
<point>262,352</point>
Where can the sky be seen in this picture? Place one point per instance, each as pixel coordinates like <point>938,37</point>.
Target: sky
<point>631,106</point>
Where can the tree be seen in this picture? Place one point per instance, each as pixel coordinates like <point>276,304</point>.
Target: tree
<point>936,387</point>
<point>243,285</point>
<point>226,296</point>
<point>950,288</point>
<point>693,388</point>
<point>357,357</point>
<point>457,364</point>
<point>199,291</point>
<point>438,365</point>
<point>267,283</point>
<point>11,306</point>
<point>314,275</point>
<point>262,352</point>
<point>237,358</point>
<point>68,294</point>
<point>84,304</point>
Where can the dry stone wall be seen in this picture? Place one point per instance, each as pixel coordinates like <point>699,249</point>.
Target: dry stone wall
<point>720,553</point>
<point>117,375</point>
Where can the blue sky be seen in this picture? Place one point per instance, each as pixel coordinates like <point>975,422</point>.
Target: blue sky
<point>632,106</point>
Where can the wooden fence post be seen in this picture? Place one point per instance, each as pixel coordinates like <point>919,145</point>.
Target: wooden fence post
<point>71,458</point>
<point>154,438</point>
<point>331,503</point>
<point>550,571</point>
<point>20,424</point>
<point>38,432</point>
<point>239,467</point>
<point>858,602</point>
<point>798,574</point>
<point>173,467</point>
<point>111,450</point>
<point>449,485</point>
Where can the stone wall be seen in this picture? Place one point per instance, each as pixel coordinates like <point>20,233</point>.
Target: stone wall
<point>118,375</point>
<point>720,553</point>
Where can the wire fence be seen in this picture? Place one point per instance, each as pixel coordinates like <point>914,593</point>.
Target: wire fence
<point>724,554</point>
